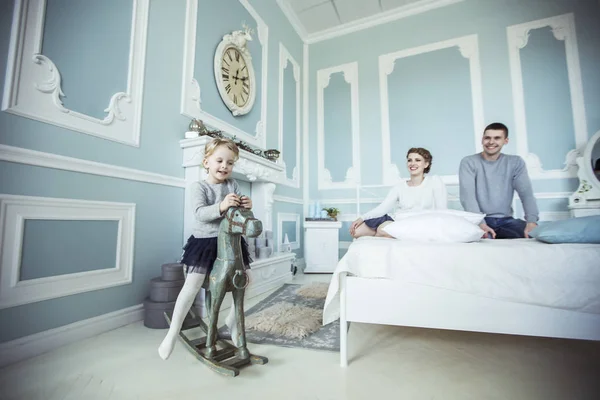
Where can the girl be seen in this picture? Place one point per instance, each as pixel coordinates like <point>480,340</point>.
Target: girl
<point>211,198</point>
<point>419,192</point>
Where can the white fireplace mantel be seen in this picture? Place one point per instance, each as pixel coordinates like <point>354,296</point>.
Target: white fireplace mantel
<point>249,167</point>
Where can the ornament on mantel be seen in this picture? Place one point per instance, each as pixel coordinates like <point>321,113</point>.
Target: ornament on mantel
<point>197,128</point>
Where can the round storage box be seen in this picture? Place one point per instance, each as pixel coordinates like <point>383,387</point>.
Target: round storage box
<point>165,291</point>
<point>172,272</point>
<point>154,317</point>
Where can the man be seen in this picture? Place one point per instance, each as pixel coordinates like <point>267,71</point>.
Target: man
<point>487,184</point>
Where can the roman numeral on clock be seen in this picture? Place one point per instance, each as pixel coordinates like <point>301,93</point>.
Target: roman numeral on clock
<point>225,70</point>
<point>228,88</point>
<point>237,57</point>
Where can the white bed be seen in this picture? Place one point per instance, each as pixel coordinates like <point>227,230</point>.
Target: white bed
<point>520,286</point>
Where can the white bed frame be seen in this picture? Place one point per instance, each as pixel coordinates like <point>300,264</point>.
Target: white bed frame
<point>383,301</point>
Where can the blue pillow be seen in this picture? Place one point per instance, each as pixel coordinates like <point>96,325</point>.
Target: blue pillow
<point>572,230</point>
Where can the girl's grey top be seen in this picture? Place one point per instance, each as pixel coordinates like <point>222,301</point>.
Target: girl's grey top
<point>206,198</point>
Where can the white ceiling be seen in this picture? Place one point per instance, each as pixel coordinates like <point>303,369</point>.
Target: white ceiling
<point>316,16</point>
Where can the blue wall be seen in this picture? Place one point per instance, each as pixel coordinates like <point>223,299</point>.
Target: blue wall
<point>93,62</point>
<point>430,103</point>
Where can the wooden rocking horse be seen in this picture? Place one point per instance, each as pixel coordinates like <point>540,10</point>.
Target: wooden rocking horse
<point>227,275</point>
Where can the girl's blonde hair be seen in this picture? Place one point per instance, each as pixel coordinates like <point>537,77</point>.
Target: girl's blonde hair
<point>211,146</point>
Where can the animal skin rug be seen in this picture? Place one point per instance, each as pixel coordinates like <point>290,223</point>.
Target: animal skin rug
<point>286,319</point>
<point>316,290</point>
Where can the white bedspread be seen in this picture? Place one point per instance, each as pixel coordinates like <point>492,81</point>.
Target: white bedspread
<point>563,276</point>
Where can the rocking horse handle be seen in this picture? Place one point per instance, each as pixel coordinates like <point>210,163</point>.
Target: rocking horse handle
<point>246,280</point>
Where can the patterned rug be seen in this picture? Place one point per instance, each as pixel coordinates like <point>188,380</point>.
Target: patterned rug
<point>291,317</point>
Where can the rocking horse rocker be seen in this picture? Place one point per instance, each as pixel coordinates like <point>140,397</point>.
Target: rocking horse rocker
<point>227,275</point>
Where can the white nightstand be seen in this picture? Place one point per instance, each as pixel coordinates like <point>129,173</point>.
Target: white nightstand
<point>321,246</point>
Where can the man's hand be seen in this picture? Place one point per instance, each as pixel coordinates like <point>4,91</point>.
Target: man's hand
<point>529,227</point>
<point>487,231</point>
<point>355,225</point>
<point>246,202</point>
<point>231,200</point>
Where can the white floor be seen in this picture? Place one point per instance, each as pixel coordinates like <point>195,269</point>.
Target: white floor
<point>386,363</point>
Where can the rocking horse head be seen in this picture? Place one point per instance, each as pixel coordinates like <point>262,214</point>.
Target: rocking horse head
<point>241,221</point>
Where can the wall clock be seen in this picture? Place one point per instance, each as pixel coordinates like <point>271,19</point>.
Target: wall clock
<point>234,73</point>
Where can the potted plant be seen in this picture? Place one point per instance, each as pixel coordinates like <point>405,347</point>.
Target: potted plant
<point>332,212</point>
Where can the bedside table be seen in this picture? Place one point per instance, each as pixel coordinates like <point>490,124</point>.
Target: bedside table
<point>321,246</point>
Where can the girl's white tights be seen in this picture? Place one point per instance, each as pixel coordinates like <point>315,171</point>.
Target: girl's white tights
<point>185,299</point>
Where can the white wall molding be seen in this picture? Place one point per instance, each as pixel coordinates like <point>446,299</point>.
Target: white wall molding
<point>33,83</point>
<point>284,58</point>
<point>191,101</point>
<point>563,29</point>
<point>468,47</point>
<point>14,210</point>
<point>285,199</point>
<point>352,179</point>
<point>288,217</point>
<point>33,345</point>
<point>55,161</point>
<point>305,138</point>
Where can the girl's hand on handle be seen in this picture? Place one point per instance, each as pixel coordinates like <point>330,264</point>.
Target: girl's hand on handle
<point>358,222</point>
<point>246,202</point>
<point>231,200</point>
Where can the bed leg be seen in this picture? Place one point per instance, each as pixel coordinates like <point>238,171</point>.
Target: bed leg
<point>343,323</point>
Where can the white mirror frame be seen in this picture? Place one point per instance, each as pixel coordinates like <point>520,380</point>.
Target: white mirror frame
<point>587,194</point>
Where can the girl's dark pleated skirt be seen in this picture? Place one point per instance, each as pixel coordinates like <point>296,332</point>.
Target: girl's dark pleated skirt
<point>199,254</point>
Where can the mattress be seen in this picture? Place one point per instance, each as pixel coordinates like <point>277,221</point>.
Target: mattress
<point>565,276</point>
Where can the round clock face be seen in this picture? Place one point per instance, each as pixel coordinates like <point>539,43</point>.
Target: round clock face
<point>235,76</point>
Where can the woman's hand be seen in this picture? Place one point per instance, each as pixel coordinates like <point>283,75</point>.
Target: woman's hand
<point>231,200</point>
<point>246,202</point>
<point>355,225</point>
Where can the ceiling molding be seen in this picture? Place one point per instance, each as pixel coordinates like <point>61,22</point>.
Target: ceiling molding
<point>362,23</point>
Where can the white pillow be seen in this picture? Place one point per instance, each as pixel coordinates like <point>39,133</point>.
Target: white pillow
<point>435,227</point>
<point>474,218</point>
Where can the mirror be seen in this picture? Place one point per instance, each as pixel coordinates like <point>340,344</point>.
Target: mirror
<point>587,194</point>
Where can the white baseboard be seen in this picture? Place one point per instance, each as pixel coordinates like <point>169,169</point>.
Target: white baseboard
<point>42,342</point>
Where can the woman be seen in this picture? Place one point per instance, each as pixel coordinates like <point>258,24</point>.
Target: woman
<point>420,192</point>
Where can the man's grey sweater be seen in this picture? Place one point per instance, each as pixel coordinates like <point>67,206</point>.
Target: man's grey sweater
<point>206,199</point>
<point>488,186</point>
